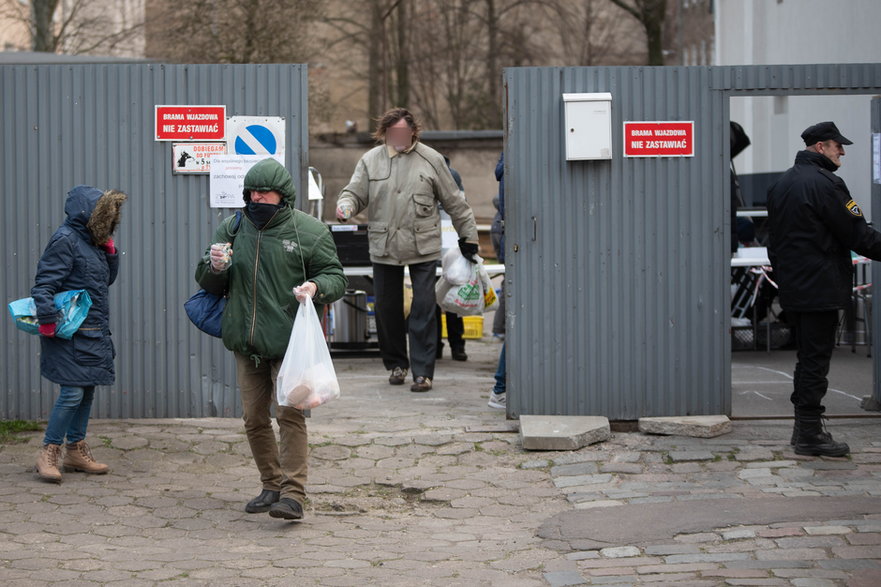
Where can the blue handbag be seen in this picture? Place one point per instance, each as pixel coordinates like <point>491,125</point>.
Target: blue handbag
<point>204,309</point>
<point>73,307</point>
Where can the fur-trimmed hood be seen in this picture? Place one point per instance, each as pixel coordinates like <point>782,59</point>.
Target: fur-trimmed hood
<point>93,214</point>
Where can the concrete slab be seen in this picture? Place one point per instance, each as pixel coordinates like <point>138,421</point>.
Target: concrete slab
<point>653,522</point>
<point>562,432</point>
<point>695,426</point>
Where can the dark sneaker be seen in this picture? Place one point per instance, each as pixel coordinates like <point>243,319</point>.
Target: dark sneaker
<point>398,376</point>
<point>421,384</point>
<point>287,509</point>
<point>262,502</point>
<point>459,355</point>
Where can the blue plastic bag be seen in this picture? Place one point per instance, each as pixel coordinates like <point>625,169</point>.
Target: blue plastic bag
<point>73,307</point>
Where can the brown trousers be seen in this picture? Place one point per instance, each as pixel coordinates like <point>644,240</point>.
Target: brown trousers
<point>283,465</point>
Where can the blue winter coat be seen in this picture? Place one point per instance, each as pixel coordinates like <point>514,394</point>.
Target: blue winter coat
<point>72,260</point>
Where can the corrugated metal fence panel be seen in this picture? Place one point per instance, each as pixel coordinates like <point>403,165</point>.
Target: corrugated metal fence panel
<point>64,125</point>
<point>845,78</point>
<point>618,270</point>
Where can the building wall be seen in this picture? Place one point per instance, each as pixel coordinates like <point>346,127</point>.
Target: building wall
<point>474,158</point>
<point>761,32</point>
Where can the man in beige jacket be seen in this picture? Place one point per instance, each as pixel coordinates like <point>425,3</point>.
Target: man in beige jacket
<point>399,184</point>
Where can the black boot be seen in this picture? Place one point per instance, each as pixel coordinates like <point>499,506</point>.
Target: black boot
<point>459,354</point>
<point>262,502</point>
<point>813,440</point>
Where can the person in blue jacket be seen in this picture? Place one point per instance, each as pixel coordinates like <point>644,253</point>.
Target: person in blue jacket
<point>80,255</point>
<point>498,396</point>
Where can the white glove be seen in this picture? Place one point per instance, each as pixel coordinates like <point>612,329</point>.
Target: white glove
<point>306,291</point>
<point>221,256</point>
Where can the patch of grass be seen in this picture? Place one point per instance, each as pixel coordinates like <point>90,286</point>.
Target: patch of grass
<point>11,430</point>
<point>668,460</point>
<point>106,441</point>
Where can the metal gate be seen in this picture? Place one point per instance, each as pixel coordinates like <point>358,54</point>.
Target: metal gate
<point>618,270</point>
<point>64,125</point>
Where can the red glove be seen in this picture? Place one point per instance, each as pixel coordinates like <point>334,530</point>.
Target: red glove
<point>109,247</point>
<point>47,330</point>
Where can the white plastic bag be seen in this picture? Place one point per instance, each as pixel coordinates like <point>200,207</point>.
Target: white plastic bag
<point>472,298</point>
<point>456,268</point>
<point>306,378</point>
<point>490,299</point>
<point>465,299</point>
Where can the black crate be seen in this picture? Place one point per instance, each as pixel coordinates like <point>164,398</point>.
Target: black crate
<point>351,244</point>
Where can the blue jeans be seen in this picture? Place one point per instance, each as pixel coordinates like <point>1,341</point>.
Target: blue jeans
<point>70,415</point>
<point>500,373</point>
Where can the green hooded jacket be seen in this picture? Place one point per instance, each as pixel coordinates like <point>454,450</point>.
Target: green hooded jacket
<point>267,264</point>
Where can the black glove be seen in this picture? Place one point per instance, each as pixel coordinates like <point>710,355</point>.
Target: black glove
<point>469,250</point>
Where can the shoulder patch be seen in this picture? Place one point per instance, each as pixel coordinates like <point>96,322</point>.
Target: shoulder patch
<point>854,209</point>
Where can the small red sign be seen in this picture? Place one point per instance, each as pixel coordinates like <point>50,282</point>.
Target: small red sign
<point>659,139</point>
<point>190,123</point>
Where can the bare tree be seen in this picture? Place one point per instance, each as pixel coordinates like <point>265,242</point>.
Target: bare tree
<point>461,49</point>
<point>234,31</point>
<point>651,15</point>
<point>589,32</point>
<point>383,40</point>
<point>76,26</point>
<point>441,58</point>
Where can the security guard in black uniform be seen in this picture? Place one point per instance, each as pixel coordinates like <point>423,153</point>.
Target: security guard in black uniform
<point>814,226</point>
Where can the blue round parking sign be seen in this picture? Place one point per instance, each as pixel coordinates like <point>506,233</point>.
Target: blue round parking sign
<point>256,139</point>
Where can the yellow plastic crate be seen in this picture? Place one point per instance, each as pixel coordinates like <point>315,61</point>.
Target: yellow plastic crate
<point>473,327</point>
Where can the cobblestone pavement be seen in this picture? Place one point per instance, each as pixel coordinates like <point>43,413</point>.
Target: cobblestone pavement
<point>430,489</point>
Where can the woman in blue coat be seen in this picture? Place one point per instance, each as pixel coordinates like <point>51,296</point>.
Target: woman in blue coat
<point>80,255</point>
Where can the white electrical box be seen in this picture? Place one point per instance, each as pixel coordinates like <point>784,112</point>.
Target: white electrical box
<point>588,126</point>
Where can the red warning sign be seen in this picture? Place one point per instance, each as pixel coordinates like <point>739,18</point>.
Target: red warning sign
<point>659,139</point>
<point>190,123</point>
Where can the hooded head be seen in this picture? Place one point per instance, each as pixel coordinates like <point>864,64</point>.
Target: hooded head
<point>270,175</point>
<point>92,213</point>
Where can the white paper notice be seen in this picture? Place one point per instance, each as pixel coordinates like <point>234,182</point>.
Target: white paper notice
<point>228,178</point>
<point>876,157</point>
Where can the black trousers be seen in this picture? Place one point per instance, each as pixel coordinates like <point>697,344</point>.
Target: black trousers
<point>455,330</point>
<point>815,340</point>
<point>391,326</point>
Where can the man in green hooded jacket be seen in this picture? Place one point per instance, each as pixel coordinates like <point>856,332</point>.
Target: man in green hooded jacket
<point>265,263</point>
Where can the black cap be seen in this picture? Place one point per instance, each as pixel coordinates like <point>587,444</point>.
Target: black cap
<point>824,131</point>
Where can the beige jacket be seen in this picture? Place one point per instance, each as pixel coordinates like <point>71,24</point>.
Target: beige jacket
<point>400,192</point>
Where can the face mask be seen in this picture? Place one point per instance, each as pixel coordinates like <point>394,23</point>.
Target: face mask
<point>261,214</point>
